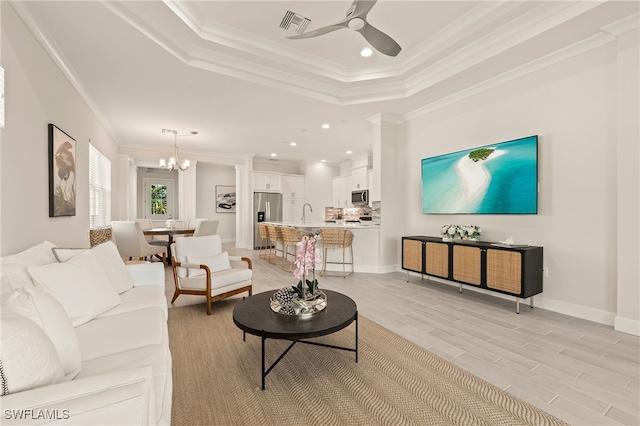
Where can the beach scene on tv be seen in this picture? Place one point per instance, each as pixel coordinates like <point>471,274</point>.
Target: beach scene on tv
<point>494,179</point>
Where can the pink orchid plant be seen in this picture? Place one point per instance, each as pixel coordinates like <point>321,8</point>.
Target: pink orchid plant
<point>307,258</point>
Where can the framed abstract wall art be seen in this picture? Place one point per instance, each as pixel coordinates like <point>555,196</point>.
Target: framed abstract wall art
<point>62,173</point>
<point>225,199</point>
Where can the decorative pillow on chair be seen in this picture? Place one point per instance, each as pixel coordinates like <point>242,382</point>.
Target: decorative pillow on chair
<point>216,263</point>
<point>29,359</point>
<point>81,285</point>
<point>48,314</point>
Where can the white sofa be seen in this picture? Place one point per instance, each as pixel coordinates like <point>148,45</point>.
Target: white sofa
<point>98,352</point>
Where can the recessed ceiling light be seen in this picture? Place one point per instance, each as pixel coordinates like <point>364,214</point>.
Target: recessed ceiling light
<point>366,52</point>
<point>273,154</point>
<point>293,144</point>
<point>323,161</point>
<point>326,126</point>
<point>349,152</point>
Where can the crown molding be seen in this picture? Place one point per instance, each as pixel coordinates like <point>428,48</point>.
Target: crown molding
<point>622,26</point>
<point>576,49</point>
<point>25,12</point>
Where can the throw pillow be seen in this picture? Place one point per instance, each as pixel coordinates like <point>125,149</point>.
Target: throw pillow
<point>48,314</point>
<point>216,263</point>
<point>62,254</point>
<point>28,359</point>
<point>15,266</point>
<point>114,266</point>
<point>80,285</point>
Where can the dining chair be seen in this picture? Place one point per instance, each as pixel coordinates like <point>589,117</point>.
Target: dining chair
<point>201,268</point>
<point>206,227</point>
<point>132,243</point>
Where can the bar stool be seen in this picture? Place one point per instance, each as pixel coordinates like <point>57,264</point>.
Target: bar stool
<point>275,239</point>
<point>290,238</point>
<point>263,229</point>
<point>333,238</point>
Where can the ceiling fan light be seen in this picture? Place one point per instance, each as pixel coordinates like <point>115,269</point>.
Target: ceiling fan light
<point>356,24</point>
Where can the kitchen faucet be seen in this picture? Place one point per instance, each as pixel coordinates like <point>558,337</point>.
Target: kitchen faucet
<point>304,220</point>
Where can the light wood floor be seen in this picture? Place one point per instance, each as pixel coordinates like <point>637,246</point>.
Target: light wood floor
<point>582,372</point>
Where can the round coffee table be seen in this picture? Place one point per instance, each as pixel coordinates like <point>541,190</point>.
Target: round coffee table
<point>254,316</point>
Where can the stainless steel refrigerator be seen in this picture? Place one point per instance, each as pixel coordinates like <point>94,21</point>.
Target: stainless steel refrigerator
<point>267,207</point>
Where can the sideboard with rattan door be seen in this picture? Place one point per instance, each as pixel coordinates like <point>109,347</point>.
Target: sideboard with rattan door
<point>512,270</point>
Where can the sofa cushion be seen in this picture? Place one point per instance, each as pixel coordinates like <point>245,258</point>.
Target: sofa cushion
<point>80,285</point>
<point>121,333</point>
<point>146,296</point>
<point>15,267</point>
<point>48,314</point>
<point>215,262</point>
<point>156,356</point>
<point>219,280</point>
<point>114,265</point>
<point>29,359</point>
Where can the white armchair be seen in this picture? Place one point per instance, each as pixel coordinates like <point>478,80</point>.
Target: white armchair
<point>200,267</point>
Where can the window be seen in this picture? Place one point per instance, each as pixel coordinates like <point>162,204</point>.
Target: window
<point>99,189</point>
<point>159,200</point>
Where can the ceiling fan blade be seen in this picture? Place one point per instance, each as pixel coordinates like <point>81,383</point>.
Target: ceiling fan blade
<point>379,40</point>
<point>320,31</point>
<point>362,7</point>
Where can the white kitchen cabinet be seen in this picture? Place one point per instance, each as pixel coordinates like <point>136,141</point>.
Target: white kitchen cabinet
<point>270,182</point>
<point>359,179</point>
<point>342,191</point>
<point>293,186</point>
<point>292,209</point>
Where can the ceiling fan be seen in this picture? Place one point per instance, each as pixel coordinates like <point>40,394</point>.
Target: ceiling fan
<point>356,19</point>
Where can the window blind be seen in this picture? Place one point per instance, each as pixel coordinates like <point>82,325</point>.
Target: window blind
<point>99,189</point>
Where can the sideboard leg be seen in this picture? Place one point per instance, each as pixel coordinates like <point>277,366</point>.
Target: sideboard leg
<point>407,276</point>
<point>517,305</point>
<point>460,288</point>
<point>531,302</point>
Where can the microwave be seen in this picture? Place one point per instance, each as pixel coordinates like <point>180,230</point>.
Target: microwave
<point>359,198</point>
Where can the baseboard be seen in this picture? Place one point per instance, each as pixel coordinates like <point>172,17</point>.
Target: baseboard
<point>540,301</point>
<point>627,325</point>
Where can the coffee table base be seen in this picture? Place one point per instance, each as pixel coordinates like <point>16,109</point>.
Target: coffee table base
<point>266,371</point>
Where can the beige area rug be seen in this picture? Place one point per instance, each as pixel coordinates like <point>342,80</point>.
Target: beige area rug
<point>217,380</point>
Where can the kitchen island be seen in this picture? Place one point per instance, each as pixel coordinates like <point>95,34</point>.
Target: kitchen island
<point>366,244</point>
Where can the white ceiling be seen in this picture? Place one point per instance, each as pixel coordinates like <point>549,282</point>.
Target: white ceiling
<point>226,69</point>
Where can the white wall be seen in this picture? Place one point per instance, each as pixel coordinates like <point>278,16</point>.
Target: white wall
<point>572,107</point>
<point>38,94</point>
<point>207,177</point>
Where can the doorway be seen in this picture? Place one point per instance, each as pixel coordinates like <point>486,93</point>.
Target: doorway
<point>159,201</point>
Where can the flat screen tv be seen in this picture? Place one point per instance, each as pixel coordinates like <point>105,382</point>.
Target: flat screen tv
<point>501,178</point>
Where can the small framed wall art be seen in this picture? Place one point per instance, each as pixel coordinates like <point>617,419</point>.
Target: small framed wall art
<point>62,173</point>
<point>225,199</point>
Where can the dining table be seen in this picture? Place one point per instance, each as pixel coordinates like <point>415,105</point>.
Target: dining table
<point>170,233</point>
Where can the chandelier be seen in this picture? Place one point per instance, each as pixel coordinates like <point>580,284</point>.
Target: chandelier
<point>174,161</point>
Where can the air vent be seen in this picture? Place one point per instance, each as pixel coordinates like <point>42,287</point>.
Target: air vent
<point>294,22</point>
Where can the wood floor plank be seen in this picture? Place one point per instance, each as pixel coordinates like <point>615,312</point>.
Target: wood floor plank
<point>577,370</point>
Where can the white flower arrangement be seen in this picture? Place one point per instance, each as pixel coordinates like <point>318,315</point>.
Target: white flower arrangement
<point>461,232</point>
